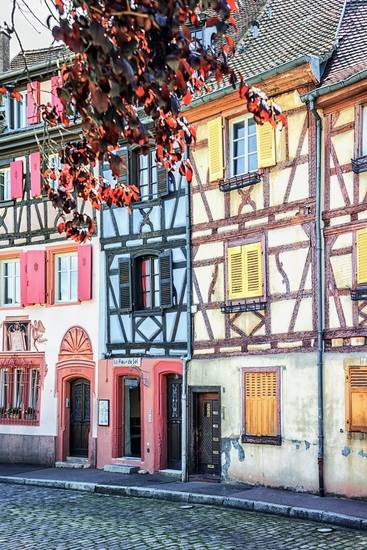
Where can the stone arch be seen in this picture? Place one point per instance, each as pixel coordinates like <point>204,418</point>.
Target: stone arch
<point>76,344</point>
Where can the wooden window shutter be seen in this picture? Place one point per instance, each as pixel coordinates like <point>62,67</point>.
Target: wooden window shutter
<point>266,148</point>
<point>252,268</point>
<point>261,404</point>
<point>56,82</point>
<point>125,284</point>
<point>23,279</point>
<point>356,402</point>
<point>215,145</point>
<point>124,176</point>
<point>36,277</point>
<point>362,256</point>
<point>235,273</point>
<point>85,272</point>
<point>35,169</point>
<point>16,179</point>
<point>33,102</point>
<point>165,279</point>
<point>162,186</point>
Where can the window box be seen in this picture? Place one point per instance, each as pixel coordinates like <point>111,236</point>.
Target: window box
<point>239,182</point>
<point>359,293</point>
<point>246,306</point>
<point>359,165</point>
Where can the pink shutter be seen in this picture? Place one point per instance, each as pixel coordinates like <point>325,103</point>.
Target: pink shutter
<point>85,272</point>
<point>35,167</point>
<point>36,277</point>
<point>55,100</point>
<point>23,278</point>
<point>16,179</point>
<point>33,101</point>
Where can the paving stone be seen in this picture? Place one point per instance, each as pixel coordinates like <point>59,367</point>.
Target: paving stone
<point>41,518</point>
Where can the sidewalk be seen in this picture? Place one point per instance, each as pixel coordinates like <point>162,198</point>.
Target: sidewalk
<point>337,511</point>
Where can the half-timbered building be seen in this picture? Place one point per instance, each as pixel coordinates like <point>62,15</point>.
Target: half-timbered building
<point>48,287</point>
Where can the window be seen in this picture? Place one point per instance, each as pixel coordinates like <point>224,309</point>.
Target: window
<point>4,184</point>
<point>147,176</point>
<point>356,399</point>
<point>261,406</point>
<point>16,113</point>
<point>54,163</point>
<point>10,282</point>
<point>19,394</point>
<point>245,271</point>
<point>364,131</point>
<point>148,277</point>
<point>362,256</point>
<point>243,146</point>
<point>66,277</point>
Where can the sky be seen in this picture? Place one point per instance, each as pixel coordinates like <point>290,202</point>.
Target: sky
<point>33,33</point>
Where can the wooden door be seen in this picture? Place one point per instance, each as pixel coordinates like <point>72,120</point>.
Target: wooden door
<point>174,392</point>
<point>79,417</point>
<point>207,434</point>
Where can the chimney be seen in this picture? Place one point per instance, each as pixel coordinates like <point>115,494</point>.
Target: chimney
<point>4,51</point>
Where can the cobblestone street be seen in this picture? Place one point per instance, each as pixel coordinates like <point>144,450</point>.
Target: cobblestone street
<point>40,518</point>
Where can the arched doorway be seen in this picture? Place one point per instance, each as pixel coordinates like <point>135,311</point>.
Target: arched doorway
<point>75,390</point>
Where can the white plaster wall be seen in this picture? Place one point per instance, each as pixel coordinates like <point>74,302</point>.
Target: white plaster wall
<point>57,320</point>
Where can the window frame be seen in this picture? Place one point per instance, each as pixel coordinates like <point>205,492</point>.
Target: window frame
<point>10,259</point>
<point>261,439</point>
<point>230,129</point>
<point>51,252</point>
<point>363,137</point>
<point>154,278</point>
<point>242,242</point>
<point>134,163</point>
<point>7,184</point>
<point>19,118</point>
<point>69,271</point>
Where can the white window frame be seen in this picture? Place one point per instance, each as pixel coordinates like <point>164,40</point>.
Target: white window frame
<point>5,172</point>
<point>15,283</point>
<point>364,131</point>
<point>21,120</point>
<point>54,161</point>
<point>70,298</point>
<point>232,123</point>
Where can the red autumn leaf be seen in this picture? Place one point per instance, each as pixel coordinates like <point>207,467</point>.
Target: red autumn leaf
<point>230,42</point>
<point>187,98</point>
<point>16,95</point>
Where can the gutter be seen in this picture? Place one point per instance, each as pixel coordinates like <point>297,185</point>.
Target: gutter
<point>323,90</point>
<point>21,74</point>
<point>319,309</point>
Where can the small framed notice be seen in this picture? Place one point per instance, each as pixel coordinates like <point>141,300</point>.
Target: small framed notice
<point>103,412</point>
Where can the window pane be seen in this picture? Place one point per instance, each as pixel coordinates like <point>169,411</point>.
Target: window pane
<point>252,162</point>
<point>239,130</point>
<point>74,286</point>
<point>239,148</point>
<point>238,166</point>
<point>10,282</point>
<point>252,145</point>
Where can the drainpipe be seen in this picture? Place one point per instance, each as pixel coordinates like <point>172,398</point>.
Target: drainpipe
<point>320,298</point>
<point>186,360</point>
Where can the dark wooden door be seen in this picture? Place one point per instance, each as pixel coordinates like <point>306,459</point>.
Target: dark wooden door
<point>79,417</point>
<point>174,391</point>
<point>207,447</point>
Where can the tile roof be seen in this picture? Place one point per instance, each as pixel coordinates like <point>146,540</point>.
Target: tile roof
<point>35,57</point>
<point>350,57</point>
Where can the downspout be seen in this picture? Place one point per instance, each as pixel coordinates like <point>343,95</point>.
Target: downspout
<point>187,358</point>
<point>320,299</point>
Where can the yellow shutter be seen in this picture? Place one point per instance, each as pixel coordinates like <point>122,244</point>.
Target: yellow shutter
<point>356,413</point>
<point>266,149</point>
<point>362,256</point>
<point>215,145</point>
<point>261,404</point>
<point>235,273</point>
<point>252,269</point>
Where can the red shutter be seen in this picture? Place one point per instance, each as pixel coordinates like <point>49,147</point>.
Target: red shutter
<point>36,277</point>
<point>55,100</point>
<point>33,102</point>
<point>16,179</point>
<point>35,167</point>
<point>23,278</point>
<point>85,272</point>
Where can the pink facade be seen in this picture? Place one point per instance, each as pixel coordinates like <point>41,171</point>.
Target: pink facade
<point>152,376</point>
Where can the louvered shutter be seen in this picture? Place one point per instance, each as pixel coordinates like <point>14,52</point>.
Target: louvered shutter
<point>85,272</point>
<point>35,169</point>
<point>252,268</point>
<point>165,279</point>
<point>162,185</point>
<point>215,145</point>
<point>56,82</point>
<point>266,149</point>
<point>362,256</point>
<point>357,399</point>
<point>235,273</point>
<point>261,404</point>
<point>36,277</point>
<point>125,284</point>
<point>33,102</point>
<point>16,179</point>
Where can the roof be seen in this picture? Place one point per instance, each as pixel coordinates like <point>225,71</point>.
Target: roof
<point>350,57</point>
<point>289,29</point>
<point>37,57</point>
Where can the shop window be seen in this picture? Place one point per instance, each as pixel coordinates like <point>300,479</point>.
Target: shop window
<point>66,277</point>
<point>10,282</point>
<point>5,184</point>
<point>19,394</point>
<point>261,407</point>
<point>356,399</point>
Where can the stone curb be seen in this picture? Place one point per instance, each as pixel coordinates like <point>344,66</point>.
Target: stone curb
<point>333,518</point>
